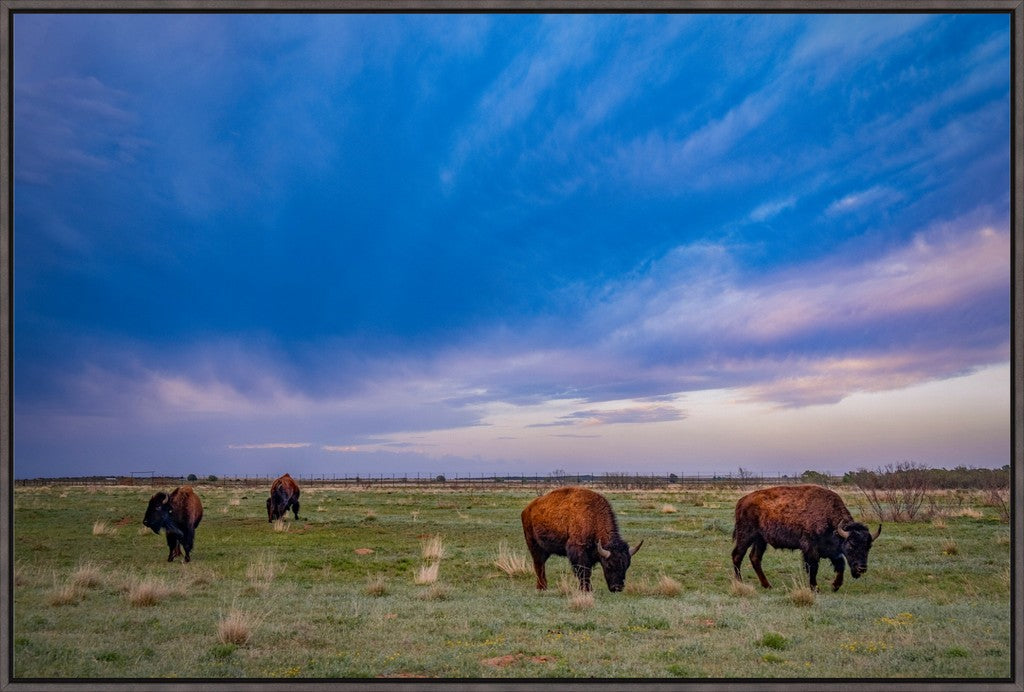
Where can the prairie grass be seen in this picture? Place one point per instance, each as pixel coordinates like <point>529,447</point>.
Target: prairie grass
<point>87,575</point>
<point>65,594</point>
<point>668,509</point>
<point>511,562</point>
<point>101,528</point>
<point>332,621</point>
<point>280,526</point>
<point>262,571</point>
<point>667,586</point>
<point>949,547</point>
<point>433,548</point>
<point>235,627</point>
<point>427,574</point>
<point>149,591</point>
<point>741,589</point>
<point>435,592</point>
<point>377,586</point>
<point>801,594</point>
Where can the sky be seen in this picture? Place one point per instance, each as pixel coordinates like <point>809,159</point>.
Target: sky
<point>491,243</point>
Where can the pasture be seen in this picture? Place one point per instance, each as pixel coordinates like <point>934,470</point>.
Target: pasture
<point>404,583</point>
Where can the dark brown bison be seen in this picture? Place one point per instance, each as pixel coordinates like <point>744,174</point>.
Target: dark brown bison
<point>579,524</point>
<point>178,514</point>
<point>805,517</point>
<point>284,495</point>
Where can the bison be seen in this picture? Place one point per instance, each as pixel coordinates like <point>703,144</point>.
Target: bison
<point>580,524</point>
<point>178,514</point>
<point>284,495</point>
<point>805,517</point>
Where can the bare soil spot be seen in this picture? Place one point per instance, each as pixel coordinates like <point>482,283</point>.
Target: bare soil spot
<point>364,551</point>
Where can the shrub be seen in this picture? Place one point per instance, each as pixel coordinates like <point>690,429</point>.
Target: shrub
<point>773,640</point>
<point>895,493</point>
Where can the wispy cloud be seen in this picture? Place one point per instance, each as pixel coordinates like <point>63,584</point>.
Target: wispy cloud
<point>271,445</point>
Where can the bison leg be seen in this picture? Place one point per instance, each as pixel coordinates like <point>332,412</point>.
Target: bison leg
<point>811,565</point>
<point>838,564</point>
<point>539,558</point>
<point>173,549</point>
<point>295,509</point>
<point>756,551</point>
<point>580,565</point>
<point>738,551</point>
<point>187,541</point>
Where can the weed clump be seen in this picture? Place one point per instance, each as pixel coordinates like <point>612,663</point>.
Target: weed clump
<point>741,589</point>
<point>510,562</point>
<point>234,628</point>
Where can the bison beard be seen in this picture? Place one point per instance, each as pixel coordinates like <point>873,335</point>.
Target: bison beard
<point>809,518</point>
<point>579,524</point>
<point>178,514</point>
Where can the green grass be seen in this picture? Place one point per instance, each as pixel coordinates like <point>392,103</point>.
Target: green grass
<point>315,608</point>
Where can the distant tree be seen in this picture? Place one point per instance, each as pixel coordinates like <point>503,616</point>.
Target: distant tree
<point>673,478</point>
<point>192,477</point>
<point>559,473</point>
<point>439,478</point>
<point>211,478</point>
<point>814,477</point>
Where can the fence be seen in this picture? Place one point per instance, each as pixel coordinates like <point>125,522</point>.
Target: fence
<point>449,481</point>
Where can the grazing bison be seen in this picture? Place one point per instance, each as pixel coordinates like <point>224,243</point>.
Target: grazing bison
<point>178,514</point>
<point>579,524</point>
<point>805,517</point>
<point>284,495</point>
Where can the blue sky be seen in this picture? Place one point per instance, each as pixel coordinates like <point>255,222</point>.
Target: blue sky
<point>510,243</point>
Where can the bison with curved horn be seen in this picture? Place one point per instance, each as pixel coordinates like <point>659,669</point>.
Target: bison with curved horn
<point>284,495</point>
<point>178,514</point>
<point>808,518</point>
<point>579,524</point>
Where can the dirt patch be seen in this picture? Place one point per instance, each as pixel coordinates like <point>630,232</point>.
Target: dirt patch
<point>542,659</point>
<point>364,551</point>
<point>124,521</point>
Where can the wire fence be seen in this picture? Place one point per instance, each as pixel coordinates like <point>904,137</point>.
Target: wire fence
<point>628,481</point>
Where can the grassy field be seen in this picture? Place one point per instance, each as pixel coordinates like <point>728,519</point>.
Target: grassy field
<point>336,593</point>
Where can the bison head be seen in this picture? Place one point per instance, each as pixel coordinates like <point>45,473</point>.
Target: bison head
<point>157,512</point>
<point>615,561</point>
<point>857,540</point>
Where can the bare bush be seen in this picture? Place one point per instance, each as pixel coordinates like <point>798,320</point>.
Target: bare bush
<point>895,493</point>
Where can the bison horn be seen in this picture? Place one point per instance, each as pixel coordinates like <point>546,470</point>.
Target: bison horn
<point>632,551</point>
<point>875,536</point>
<point>842,534</point>
<point>602,551</point>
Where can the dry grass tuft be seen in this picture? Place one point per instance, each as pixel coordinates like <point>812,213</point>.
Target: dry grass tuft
<point>87,576</point>
<point>149,591</point>
<point>568,584</point>
<point>741,589</point>
<point>235,628</point>
<point>801,594</point>
<point>667,586</point>
<point>234,502</point>
<point>433,548</point>
<point>949,547</point>
<point>101,528</point>
<point>668,509</point>
<point>427,574</point>
<point>377,587</point>
<point>436,592</point>
<point>510,562</point>
<point>64,594</point>
<point>262,571</point>
<point>580,600</point>
<point>280,525</point>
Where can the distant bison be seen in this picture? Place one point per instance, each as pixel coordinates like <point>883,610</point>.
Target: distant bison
<point>284,495</point>
<point>579,524</point>
<point>805,517</point>
<point>178,514</point>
